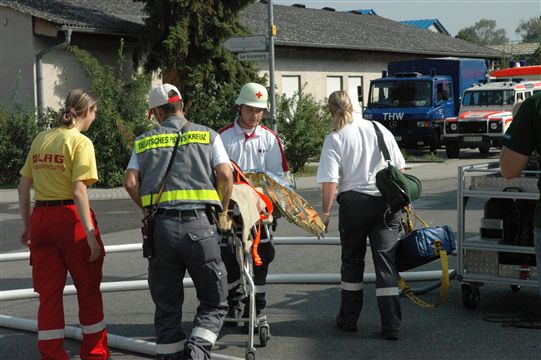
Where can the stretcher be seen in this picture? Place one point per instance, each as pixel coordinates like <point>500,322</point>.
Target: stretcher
<point>293,207</point>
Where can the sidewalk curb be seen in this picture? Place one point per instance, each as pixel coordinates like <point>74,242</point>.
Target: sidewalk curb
<point>119,193</point>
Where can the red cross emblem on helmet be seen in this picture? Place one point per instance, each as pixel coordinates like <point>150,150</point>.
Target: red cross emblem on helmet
<point>259,94</point>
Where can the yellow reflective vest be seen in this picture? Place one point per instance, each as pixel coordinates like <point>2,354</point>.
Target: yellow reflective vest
<point>191,179</point>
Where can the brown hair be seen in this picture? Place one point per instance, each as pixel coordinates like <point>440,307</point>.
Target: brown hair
<point>77,102</point>
<point>341,110</point>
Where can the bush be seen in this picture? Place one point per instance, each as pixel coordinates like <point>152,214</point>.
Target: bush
<point>122,109</point>
<point>302,124</point>
<point>17,129</point>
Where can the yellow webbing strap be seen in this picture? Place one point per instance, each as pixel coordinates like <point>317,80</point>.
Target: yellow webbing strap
<point>444,288</point>
<point>408,223</point>
<point>421,220</point>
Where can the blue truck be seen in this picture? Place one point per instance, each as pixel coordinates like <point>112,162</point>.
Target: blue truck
<point>413,97</point>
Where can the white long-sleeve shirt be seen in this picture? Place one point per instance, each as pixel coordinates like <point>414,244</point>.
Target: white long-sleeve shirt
<point>261,150</point>
<point>351,156</point>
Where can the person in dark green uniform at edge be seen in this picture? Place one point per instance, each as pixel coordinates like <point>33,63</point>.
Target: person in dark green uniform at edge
<point>520,140</point>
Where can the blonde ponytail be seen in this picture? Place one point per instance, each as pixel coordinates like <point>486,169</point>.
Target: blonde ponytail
<point>341,110</point>
<point>77,102</point>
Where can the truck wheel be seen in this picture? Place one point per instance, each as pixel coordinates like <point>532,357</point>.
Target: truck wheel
<point>484,149</point>
<point>452,150</point>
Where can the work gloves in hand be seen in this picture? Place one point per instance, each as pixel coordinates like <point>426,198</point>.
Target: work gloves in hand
<point>224,221</point>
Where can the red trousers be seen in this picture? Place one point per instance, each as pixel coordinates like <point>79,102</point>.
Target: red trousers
<point>58,245</point>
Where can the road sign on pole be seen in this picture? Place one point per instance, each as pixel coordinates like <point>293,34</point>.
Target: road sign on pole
<point>253,56</point>
<point>246,43</point>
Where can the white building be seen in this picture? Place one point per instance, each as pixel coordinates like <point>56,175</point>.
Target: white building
<point>324,49</point>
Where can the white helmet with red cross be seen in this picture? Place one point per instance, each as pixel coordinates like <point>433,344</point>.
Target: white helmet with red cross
<point>253,94</point>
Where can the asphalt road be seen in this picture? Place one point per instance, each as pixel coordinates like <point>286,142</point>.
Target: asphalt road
<point>301,316</point>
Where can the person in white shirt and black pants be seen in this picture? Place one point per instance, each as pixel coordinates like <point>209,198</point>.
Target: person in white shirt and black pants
<point>252,146</point>
<point>349,161</point>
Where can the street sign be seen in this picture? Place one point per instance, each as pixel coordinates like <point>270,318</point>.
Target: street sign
<point>246,43</point>
<point>253,56</point>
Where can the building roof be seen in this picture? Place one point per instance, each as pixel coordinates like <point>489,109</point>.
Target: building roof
<point>364,11</point>
<point>297,27</point>
<point>118,17</point>
<point>426,24</point>
<point>303,27</point>
<point>517,49</point>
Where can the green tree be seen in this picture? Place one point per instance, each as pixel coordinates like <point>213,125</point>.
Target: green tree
<point>303,123</point>
<point>484,32</point>
<point>530,30</point>
<point>536,57</point>
<point>183,39</point>
<point>122,108</point>
<point>212,103</point>
<point>17,129</point>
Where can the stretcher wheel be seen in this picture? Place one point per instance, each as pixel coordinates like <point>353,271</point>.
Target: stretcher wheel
<point>515,288</point>
<point>264,335</point>
<point>250,355</point>
<point>470,296</point>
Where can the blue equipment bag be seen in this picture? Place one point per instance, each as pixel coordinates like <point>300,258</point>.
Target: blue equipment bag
<point>417,248</point>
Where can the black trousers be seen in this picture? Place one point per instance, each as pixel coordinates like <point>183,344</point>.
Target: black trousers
<point>187,243</point>
<point>363,216</point>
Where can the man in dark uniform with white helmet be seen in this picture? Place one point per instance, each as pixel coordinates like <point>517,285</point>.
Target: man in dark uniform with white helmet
<point>185,234</point>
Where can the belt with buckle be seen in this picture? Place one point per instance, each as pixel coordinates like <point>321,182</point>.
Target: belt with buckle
<point>49,203</point>
<point>180,213</point>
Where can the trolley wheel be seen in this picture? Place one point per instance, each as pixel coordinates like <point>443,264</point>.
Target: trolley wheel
<point>515,288</point>
<point>470,296</point>
<point>264,335</point>
<point>250,355</point>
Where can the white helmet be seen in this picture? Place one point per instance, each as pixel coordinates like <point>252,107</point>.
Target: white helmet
<point>253,94</point>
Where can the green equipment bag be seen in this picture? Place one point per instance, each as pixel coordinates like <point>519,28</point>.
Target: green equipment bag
<point>398,189</point>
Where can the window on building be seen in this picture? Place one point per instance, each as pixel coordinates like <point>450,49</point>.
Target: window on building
<point>354,83</point>
<point>291,84</point>
<point>334,83</point>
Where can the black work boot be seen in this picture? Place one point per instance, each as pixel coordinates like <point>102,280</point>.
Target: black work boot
<point>345,325</point>
<point>389,334</point>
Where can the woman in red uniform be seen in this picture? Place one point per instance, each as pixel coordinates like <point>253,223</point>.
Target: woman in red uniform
<point>61,231</point>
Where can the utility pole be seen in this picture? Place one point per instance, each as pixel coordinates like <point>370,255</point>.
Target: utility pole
<point>271,34</point>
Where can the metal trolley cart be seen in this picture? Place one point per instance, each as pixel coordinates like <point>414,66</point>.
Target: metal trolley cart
<point>478,256</point>
<point>244,262</point>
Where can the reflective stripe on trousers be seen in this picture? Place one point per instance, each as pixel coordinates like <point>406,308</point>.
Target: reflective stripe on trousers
<point>50,334</point>
<point>351,286</point>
